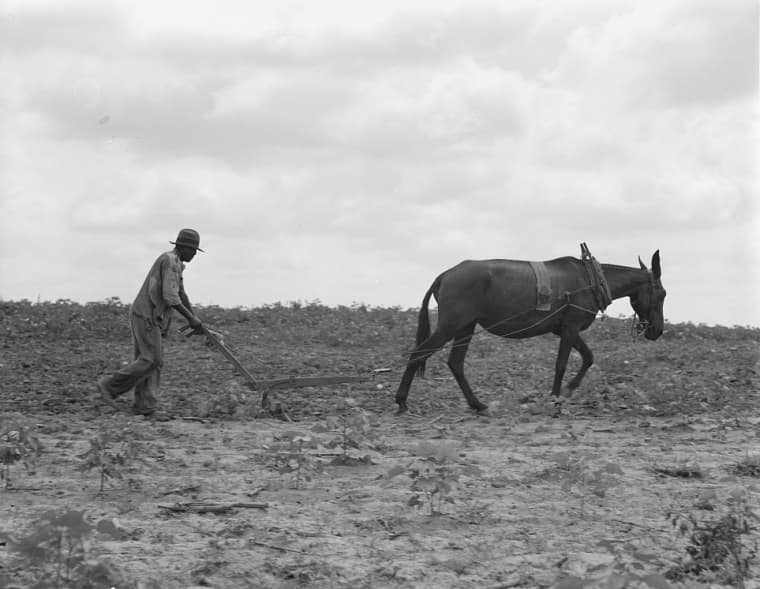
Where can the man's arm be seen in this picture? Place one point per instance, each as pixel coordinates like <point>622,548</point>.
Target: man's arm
<point>175,296</point>
<point>186,310</point>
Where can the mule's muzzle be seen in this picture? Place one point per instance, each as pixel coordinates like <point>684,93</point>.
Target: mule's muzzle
<point>652,334</point>
<point>652,331</point>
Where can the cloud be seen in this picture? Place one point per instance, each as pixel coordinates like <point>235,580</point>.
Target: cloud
<point>351,151</point>
<point>687,68</point>
<point>86,28</point>
<point>670,54</point>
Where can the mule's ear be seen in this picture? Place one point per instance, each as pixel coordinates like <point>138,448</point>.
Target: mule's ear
<point>656,268</point>
<point>641,264</point>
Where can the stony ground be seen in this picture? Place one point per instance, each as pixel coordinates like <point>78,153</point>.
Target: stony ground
<point>338,491</point>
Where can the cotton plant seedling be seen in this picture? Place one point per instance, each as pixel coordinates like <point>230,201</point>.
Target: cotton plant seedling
<point>291,457</point>
<point>112,453</point>
<point>434,475</point>
<point>18,443</point>
<point>722,548</point>
<point>352,431</point>
<point>579,474</point>
<point>58,552</point>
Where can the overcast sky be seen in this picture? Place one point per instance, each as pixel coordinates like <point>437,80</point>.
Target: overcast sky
<point>349,151</point>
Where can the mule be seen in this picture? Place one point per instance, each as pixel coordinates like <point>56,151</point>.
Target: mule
<point>500,296</point>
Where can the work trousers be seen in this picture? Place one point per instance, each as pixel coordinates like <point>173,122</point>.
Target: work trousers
<point>144,373</point>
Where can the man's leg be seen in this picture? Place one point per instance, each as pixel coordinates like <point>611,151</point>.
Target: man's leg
<point>147,388</point>
<point>142,373</point>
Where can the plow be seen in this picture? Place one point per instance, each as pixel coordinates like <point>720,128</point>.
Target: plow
<point>215,340</point>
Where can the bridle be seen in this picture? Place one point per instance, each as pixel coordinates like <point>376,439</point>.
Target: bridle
<point>639,325</point>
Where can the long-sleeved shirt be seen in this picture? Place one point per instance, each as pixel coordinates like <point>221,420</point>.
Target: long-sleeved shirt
<point>161,290</point>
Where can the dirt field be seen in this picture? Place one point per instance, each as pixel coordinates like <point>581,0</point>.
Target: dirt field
<point>332,493</point>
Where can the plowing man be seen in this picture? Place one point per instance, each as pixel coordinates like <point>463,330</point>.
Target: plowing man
<point>150,317</point>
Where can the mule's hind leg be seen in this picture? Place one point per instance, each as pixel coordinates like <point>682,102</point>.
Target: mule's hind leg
<point>456,364</point>
<point>426,349</point>
<point>587,359</point>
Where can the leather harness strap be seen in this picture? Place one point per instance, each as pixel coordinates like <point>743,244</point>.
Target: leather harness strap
<point>596,279</point>
<point>543,286</point>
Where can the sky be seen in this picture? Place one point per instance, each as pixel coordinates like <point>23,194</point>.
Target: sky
<point>348,152</point>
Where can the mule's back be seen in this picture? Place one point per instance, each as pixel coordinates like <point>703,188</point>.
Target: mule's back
<point>496,279</point>
<point>490,291</point>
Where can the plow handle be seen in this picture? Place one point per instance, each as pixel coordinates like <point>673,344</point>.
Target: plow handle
<point>212,337</point>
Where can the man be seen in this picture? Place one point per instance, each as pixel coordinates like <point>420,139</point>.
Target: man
<point>150,317</point>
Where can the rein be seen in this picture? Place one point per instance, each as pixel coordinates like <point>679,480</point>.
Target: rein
<point>537,323</point>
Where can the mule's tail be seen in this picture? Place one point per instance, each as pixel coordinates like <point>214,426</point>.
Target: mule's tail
<point>423,323</point>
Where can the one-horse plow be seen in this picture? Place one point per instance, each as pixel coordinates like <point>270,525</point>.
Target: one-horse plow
<point>215,339</point>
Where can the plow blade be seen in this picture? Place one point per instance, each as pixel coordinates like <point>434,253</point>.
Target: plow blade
<point>264,386</point>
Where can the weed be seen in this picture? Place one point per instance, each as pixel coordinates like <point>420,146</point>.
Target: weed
<point>17,444</point>
<point>718,549</point>
<point>58,553</point>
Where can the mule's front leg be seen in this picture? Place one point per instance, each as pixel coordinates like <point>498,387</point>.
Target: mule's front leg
<point>587,359</point>
<point>567,341</point>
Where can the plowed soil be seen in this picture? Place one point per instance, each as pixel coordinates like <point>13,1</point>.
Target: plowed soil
<point>656,429</point>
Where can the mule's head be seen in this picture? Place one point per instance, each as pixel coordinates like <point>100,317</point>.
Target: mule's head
<point>648,299</point>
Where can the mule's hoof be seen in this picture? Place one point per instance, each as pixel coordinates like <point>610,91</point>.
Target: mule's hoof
<point>402,408</point>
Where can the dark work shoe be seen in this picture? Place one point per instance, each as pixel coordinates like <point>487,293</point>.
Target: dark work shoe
<point>103,395</point>
<point>151,414</point>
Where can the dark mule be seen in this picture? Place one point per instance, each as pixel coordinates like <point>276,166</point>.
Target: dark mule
<point>500,296</point>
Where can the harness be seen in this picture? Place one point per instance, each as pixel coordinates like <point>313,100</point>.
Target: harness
<point>543,286</point>
<point>597,283</point>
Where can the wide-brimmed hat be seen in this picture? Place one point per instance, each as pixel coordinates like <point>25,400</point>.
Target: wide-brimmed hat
<point>188,238</point>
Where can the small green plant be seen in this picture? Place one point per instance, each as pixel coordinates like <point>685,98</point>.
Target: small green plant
<point>632,566</point>
<point>577,472</point>
<point>749,466</point>
<point>17,444</point>
<point>289,457</point>
<point>721,549</point>
<point>434,474</point>
<point>234,400</point>
<point>621,580</point>
<point>685,469</point>
<point>353,432</point>
<point>110,453</point>
<point>57,553</point>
